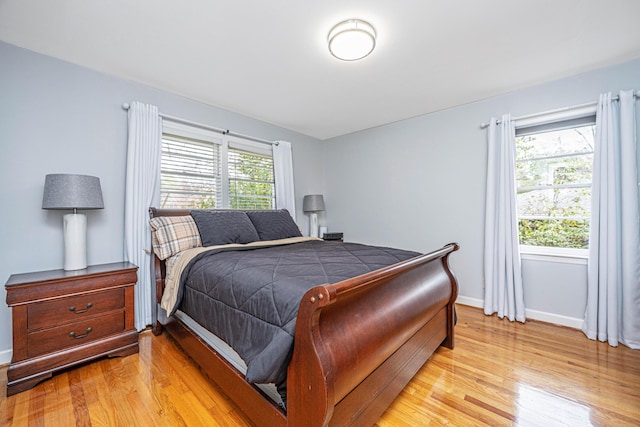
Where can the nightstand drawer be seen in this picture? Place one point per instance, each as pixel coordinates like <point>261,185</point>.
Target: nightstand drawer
<point>49,314</point>
<point>54,339</point>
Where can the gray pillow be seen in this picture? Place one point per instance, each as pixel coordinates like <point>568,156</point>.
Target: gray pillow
<point>223,227</point>
<point>273,225</point>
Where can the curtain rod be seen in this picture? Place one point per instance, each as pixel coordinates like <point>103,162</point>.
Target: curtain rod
<point>125,106</point>
<point>558,110</point>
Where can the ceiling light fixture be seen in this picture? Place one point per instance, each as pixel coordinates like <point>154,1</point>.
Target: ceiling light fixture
<point>352,39</point>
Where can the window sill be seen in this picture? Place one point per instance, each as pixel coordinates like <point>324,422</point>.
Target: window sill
<point>561,255</point>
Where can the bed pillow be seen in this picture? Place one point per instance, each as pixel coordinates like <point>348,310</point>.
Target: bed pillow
<point>172,234</point>
<point>224,227</point>
<point>274,225</point>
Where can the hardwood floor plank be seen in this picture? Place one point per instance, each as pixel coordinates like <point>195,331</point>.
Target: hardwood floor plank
<point>78,399</point>
<point>98,400</point>
<point>7,407</point>
<point>500,374</point>
<point>58,408</point>
<point>37,407</point>
<point>20,415</point>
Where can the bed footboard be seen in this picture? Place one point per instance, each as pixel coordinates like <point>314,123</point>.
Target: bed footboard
<point>360,341</point>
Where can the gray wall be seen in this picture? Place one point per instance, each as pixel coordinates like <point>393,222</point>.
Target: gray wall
<point>58,117</point>
<point>415,184</point>
<point>420,183</point>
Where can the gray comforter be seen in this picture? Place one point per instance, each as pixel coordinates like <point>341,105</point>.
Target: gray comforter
<point>250,298</point>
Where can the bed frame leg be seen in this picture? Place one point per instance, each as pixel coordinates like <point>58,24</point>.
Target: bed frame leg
<point>156,328</point>
<point>451,323</point>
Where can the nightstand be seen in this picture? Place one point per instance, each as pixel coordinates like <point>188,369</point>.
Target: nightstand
<point>63,318</point>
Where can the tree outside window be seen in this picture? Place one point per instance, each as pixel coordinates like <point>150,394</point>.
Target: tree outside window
<point>553,176</point>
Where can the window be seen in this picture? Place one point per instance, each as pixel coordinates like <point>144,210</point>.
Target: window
<point>190,173</point>
<point>553,179</point>
<point>201,169</point>
<point>251,183</point>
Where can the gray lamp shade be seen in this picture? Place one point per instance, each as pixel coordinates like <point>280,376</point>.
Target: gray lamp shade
<point>313,203</point>
<point>66,191</point>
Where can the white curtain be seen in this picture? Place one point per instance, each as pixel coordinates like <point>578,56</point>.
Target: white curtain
<point>502,270</point>
<point>613,281</point>
<point>142,190</point>
<point>283,170</point>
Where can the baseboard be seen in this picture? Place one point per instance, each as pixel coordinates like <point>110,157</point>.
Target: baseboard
<point>471,302</point>
<point>556,319</point>
<point>5,357</point>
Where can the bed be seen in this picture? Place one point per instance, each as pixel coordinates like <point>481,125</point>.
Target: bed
<point>356,342</point>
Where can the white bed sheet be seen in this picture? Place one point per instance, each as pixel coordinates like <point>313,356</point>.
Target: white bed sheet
<point>225,350</point>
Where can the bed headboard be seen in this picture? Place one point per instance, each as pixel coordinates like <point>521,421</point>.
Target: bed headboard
<point>158,266</point>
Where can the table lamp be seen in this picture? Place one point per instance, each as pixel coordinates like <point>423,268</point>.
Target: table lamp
<point>313,203</point>
<point>67,191</point>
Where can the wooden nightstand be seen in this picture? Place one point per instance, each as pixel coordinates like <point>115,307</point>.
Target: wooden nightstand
<point>62,318</point>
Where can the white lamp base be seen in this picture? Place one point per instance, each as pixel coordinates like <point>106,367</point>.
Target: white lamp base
<point>313,224</point>
<point>75,241</point>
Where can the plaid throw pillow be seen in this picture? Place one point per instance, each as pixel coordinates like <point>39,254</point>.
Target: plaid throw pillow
<point>172,234</point>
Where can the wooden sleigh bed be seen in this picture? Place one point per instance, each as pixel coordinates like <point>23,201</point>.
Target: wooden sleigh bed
<point>357,342</point>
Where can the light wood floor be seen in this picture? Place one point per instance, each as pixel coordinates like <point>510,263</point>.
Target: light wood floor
<point>500,374</point>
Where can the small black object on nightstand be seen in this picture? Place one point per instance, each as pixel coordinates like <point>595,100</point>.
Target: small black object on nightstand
<point>334,235</point>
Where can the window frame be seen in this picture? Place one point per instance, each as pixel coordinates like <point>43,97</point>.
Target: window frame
<point>555,121</point>
<point>225,143</point>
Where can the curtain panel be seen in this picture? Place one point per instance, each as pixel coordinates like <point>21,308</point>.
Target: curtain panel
<point>283,170</point>
<point>502,269</point>
<point>613,277</point>
<point>142,190</point>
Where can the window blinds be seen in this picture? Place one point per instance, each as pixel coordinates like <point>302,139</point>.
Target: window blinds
<point>190,173</point>
<point>201,169</point>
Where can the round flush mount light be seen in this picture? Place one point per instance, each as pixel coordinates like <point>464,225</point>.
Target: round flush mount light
<point>352,39</point>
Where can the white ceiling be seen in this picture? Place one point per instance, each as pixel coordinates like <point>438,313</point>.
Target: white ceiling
<point>268,59</point>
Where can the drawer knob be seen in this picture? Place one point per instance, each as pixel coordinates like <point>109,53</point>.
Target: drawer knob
<point>73,334</point>
<point>73,309</point>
